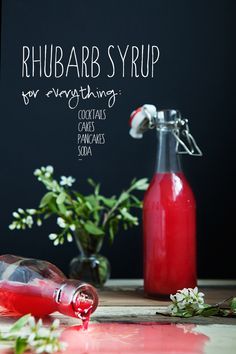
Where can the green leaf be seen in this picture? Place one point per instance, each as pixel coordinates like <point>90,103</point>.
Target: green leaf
<point>88,205</point>
<point>19,323</point>
<point>123,197</point>
<point>62,208</point>
<point>91,228</point>
<point>141,184</point>
<point>91,182</point>
<point>137,201</point>
<point>233,304</point>
<point>20,345</point>
<point>79,197</point>
<point>53,206</point>
<point>209,311</point>
<point>92,201</point>
<point>61,198</point>
<point>97,189</point>
<point>225,312</point>
<point>133,180</point>
<point>128,216</point>
<point>113,228</point>
<point>184,313</point>
<point>46,216</point>
<point>109,202</point>
<point>46,199</point>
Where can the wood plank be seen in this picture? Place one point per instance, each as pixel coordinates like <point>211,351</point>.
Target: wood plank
<point>118,296</point>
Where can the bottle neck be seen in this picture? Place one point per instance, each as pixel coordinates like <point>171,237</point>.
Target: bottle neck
<point>76,299</point>
<point>167,158</point>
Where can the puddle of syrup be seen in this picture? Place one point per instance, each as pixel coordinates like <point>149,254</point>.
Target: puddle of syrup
<point>137,338</point>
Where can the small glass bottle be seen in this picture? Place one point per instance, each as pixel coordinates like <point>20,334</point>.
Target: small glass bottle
<point>40,288</point>
<point>169,210</point>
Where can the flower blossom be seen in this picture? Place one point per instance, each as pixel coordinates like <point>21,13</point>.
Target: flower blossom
<point>67,181</point>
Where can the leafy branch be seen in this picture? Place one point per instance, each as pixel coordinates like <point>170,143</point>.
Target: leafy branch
<point>91,215</point>
<point>189,302</point>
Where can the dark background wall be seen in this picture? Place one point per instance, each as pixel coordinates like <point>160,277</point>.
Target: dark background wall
<point>195,73</point>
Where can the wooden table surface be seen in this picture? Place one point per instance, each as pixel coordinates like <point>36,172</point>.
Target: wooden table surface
<point>125,301</point>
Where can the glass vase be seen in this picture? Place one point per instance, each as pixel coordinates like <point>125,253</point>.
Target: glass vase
<point>89,265</point>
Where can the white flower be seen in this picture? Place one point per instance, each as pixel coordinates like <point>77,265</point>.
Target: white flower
<point>46,171</point>
<point>15,214</point>
<point>52,236</point>
<point>49,348</point>
<point>179,297</point>
<point>49,169</point>
<point>55,324</point>
<point>20,210</point>
<point>61,222</point>
<point>185,291</point>
<point>173,309</point>
<point>39,222</point>
<point>186,298</point>
<point>67,181</point>
<point>39,323</point>
<point>12,226</point>
<point>37,172</point>
<point>31,211</point>
<point>56,242</point>
<point>69,237</point>
<point>43,332</point>
<point>29,221</point>
<point>199,295</point>
<point>69,213</point>
<point>72,227</point>
<point>31,339</point>
<point>31,322</point>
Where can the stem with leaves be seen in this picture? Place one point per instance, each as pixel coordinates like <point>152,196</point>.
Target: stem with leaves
<point>92,215</point>
<point>189,302</point>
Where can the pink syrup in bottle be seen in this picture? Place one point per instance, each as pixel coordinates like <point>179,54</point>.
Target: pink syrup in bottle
<point>169,234</point>
<point>40,288</point>
<point>169,226</point>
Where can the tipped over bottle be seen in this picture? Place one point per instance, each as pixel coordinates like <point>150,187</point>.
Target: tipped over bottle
<point>40,288</point>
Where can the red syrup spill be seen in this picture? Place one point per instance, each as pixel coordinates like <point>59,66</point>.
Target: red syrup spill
<point>169,235</point>
<point>84,307</point>
<point>145,338</point>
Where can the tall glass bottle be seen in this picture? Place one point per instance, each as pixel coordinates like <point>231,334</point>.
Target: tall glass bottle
<point>169,225</point>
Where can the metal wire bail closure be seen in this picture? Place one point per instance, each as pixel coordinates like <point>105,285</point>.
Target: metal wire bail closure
<point>182,129</point>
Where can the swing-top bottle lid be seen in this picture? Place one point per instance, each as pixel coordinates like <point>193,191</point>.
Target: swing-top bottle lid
<point>167,115</point>
<point>147,117</point>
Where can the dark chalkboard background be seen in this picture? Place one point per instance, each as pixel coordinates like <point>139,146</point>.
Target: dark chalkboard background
<point>195,74</point>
